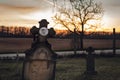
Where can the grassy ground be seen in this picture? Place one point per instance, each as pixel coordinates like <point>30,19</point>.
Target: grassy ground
<point>69,69</point>
<point>73,69</point>
<point>10,70</point>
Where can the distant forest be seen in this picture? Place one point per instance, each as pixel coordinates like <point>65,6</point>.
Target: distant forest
<point>14,31</point>
<point>24,32</point>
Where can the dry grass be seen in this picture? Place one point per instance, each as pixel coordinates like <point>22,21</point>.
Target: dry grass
<point>21,44</point>
<point>14,44</point>
<point>73,69</point>
<point>68,69</point>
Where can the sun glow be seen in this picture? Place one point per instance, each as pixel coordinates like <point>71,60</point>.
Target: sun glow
<point>37,16</point>
<point>45,15</point>
<point>99,25</point>
<point>106,24</point>
<point>92,25</point>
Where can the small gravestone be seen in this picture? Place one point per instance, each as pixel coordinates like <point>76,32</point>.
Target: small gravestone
<point>90,62</point>
<point>40,61</point>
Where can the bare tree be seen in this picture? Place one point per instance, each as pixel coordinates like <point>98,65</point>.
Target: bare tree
<point>2,29</point>
<point>16,31</point>
<point>76,14</point>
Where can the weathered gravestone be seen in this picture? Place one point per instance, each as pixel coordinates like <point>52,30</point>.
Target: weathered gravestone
<point>90,62</point>
<point>40,60</point>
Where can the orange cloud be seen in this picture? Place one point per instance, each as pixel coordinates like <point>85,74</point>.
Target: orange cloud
<point>20,9</point>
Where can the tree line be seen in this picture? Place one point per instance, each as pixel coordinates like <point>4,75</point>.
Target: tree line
<point>24,32</point>
<point>89,35</point>
<point>14,31</point>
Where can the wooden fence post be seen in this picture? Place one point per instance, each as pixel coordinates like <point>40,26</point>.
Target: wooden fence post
<point>75,42</point>
<point>114,42</point>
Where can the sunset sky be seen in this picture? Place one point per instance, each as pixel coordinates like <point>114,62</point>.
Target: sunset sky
<point>29,12</point>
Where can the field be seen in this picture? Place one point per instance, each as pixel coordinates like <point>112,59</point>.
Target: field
<point>73,69</point>
<point>21,44</point>
<point>69,69</point>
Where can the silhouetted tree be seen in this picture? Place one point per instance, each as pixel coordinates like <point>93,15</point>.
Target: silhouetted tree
<point>2,29</point>
<point>10,31</point>
<point>7,30</point>
<point>75,14</point>
<point>15,30</point>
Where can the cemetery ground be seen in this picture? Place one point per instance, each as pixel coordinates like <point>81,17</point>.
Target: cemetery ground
<point>108,68</point>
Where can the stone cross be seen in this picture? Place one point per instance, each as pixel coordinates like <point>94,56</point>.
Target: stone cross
<point>41,34</point>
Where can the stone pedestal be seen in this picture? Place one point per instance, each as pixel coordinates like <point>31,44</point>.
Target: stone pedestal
<point>39,64</point>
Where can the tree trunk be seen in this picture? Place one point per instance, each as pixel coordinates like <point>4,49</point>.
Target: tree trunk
<point>75,42</point>
<point>81,37</point>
